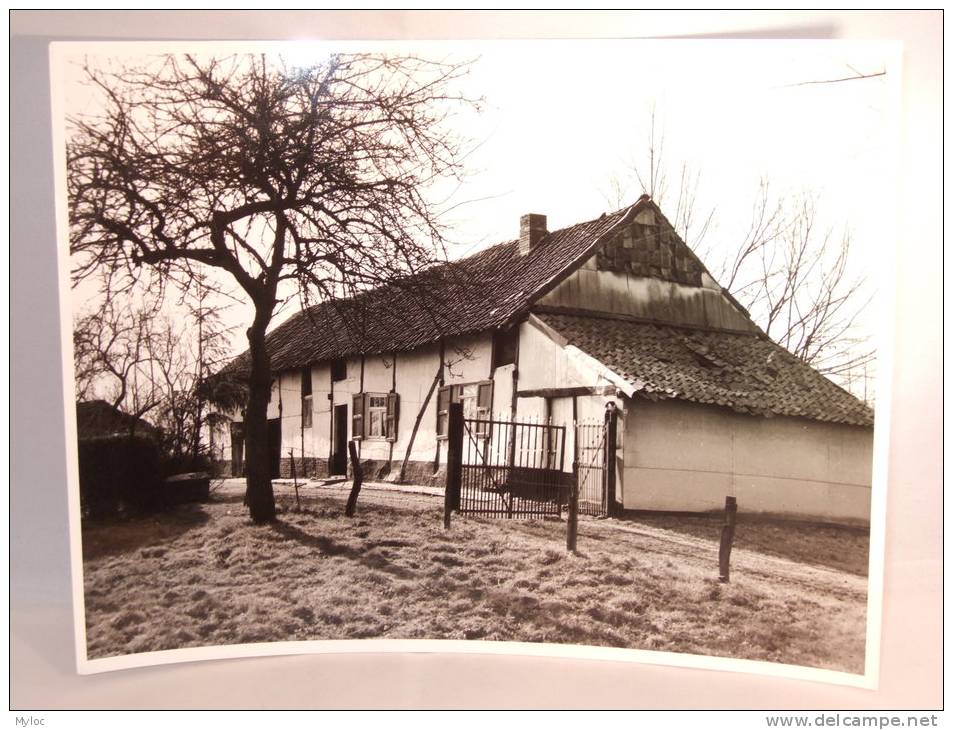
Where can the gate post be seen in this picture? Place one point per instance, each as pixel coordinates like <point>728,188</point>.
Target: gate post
<point>451,496</point>
<point>612,424</point>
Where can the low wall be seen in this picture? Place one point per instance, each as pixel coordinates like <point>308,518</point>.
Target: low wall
<point>418,472</point>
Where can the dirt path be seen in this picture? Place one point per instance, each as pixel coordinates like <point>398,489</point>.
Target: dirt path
<point>702,553</point>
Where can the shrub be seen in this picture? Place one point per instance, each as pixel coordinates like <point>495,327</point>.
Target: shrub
<point>119,474</point>
<point>186,463</point>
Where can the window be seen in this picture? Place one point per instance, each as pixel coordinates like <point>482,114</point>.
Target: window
<point>477,401</point>
<point>338,370</point>
<point>306,397</point>
<point>374,416</point>
<point>505,345</point>
<point>468,397</point>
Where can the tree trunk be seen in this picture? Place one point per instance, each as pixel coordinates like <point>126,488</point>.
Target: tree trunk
<point>259,495</point>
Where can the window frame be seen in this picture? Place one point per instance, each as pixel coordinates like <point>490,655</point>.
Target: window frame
<point>337,366</point>
<point>361,414</point>
<point>483,410</point>
<point>506,346</point>
<point>370,410</point>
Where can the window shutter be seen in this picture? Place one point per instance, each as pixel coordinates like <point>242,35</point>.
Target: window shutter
<point>392,416</point>
<point>484,406</point>
<point>485,397</point>
<point>357,416</point>
<point>443,408</point>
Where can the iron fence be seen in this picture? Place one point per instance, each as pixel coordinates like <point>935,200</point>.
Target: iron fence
<point>513,469</point>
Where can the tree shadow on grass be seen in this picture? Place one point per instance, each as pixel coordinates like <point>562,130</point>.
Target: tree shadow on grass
<point>121,535</point>
<point>327,546</point>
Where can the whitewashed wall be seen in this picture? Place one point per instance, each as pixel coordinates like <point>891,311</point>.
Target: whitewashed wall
<point>685,456</point>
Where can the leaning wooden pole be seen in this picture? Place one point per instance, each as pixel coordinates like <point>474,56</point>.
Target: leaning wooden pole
<point>727,537</point>
<point>358,480</point>
<point>294,477</point>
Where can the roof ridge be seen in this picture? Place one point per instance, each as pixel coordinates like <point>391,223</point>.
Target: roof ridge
<point>441,265</point>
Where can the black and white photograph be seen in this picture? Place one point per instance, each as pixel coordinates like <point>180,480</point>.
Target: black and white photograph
<point>530,346</point>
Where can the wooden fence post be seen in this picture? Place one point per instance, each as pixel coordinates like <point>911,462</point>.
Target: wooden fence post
<point>727,536</point>
<point>572,526</point>
<point>572,518</point>
<point>612,424</point>
<point>451,497</point>
<point>358,480</point>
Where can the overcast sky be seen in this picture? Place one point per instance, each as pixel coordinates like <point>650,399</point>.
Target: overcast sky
<point>561,118</point>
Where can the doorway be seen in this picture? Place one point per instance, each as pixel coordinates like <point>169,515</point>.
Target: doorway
<point>339,451</point>
<point>274,448</point>
<point>238,449</point>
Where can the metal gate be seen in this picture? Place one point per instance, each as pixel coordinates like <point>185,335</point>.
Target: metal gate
<point>512,469</point>
<point>591,467</point>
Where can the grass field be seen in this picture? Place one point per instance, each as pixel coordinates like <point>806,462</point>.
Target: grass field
<point>204,575</point>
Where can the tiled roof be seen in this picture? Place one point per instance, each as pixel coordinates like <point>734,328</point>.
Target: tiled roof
<point>98,418</point>
<point>482,292</point>
<point>748,373</point>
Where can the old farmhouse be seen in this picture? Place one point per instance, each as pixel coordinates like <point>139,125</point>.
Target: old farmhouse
<point>554,325</point>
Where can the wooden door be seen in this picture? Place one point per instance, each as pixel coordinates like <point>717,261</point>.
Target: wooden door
<point>238,449</point>
<point>339,453</point>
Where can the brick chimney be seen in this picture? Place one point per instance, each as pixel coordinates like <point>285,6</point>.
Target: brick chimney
<point>532,230</point>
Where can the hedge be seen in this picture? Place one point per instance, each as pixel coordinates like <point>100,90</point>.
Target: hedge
<point>119,475</point>
<point>183,463</point>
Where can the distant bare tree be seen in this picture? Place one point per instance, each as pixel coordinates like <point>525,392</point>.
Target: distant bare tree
<point>799,289</point>
<point>270,174</point>
<point>145,360</point>
<point>211,339</point>
<point>651,174</point>
<point>792,278</point>
<point>113,351</point>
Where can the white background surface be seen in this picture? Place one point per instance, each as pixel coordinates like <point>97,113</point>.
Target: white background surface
<point>41,642</point>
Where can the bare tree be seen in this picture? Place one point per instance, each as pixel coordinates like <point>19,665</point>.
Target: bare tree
<point>145,361</point>
<point>313,177</point>
<point>799,288</point>
<point>792,277</point>
<point>113,350</point>
<point>211,338</point>
<point>651,174</point>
